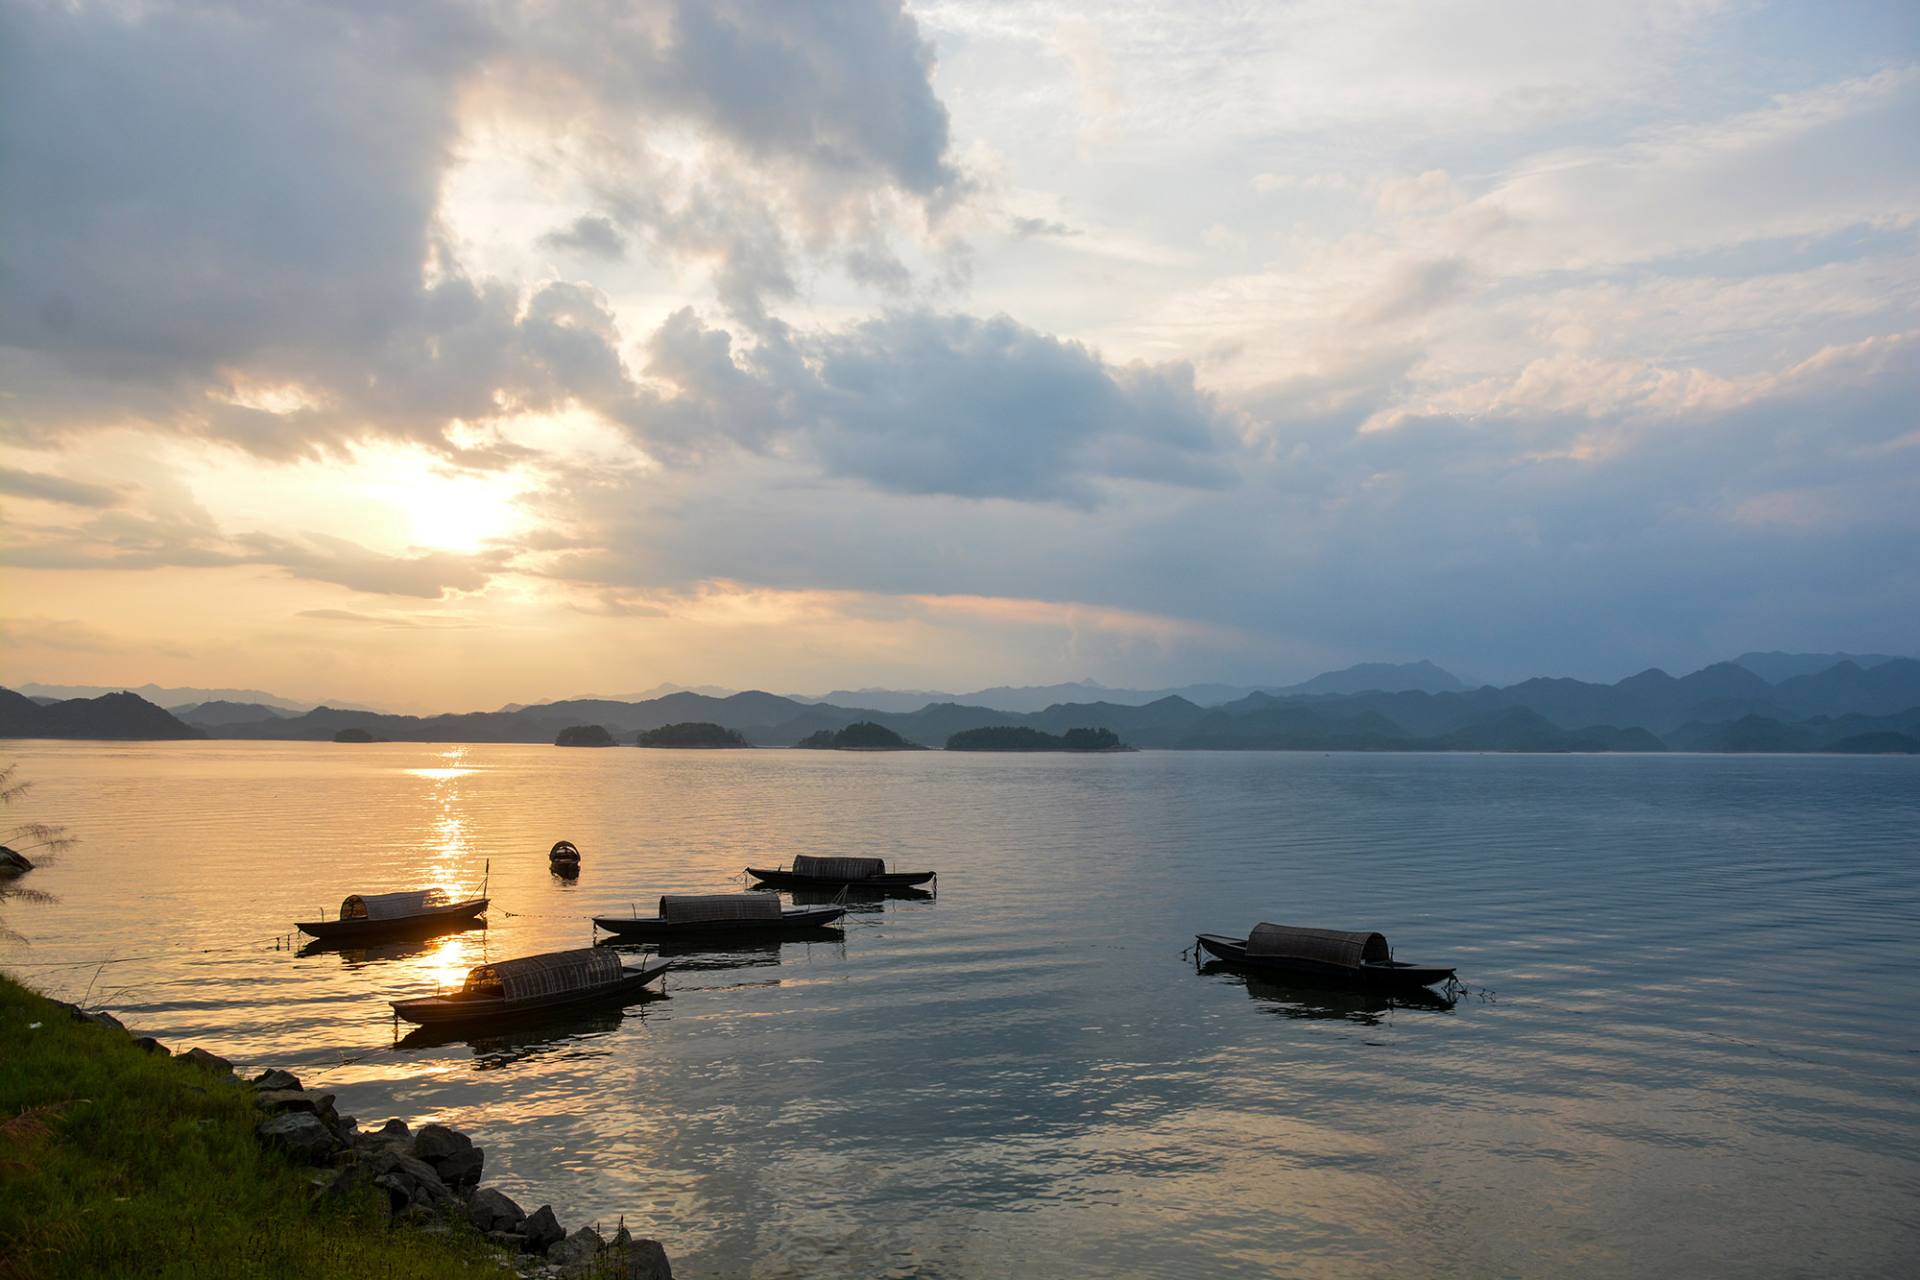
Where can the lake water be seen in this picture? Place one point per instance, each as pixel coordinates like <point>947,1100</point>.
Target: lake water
<point>1689,1043</point>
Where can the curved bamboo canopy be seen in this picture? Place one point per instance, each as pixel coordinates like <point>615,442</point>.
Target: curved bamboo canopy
<point>805,864</point>
<point>554,973</point>
<point>704,908</point>
<point>1329,946</point>
<point>391,906</point>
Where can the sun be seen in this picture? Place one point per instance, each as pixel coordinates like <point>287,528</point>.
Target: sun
<point>447,510</point>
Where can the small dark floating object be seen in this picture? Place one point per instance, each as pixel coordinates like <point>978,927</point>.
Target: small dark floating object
<point>508,988</point>
<point>563,859</point>
<point>811,872</point>
<point>1356,957</point>
<point>12,863</point>
<point>365,917</point>
<point>684,914</point>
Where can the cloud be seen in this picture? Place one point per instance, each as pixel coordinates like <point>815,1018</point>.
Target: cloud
<point>46,488</point>
<point>917,402</point>
<point>1026,228</point>
<point>591,234</point>
<point>208,199</point>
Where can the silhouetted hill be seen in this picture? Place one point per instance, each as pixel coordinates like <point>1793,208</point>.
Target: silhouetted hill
<point>700,734</point>
<point>862,736</point>
<point>1725,706</point>
<point>1775,666</point>
<point>1382,677</point>
<point>583,735</point>
<point>221,712</point>
<point>112,717</point>
<point>1008,737</point>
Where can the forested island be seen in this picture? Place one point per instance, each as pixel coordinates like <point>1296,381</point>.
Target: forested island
<point>863,735</point>
<point>691,733</point>
<point>1013,737</point>
<point>353,735</point>
<point>583,735</point>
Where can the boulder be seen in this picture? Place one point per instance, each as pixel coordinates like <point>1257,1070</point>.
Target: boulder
<point>211,1061</point>
<point>300,1134</point>
<point>461,1170</point>
<point>626,1258</point>
<point>274,1078</point>
<point>491,1209</point>
<point>542,1230</point>
<point>434,1142</point>
<point>583,1246</point>
<point>393,1129</point>
<point>148,1044</point>
<point>292,1100</point>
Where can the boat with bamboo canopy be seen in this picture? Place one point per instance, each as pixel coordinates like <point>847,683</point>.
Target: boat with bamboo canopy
<point>809,872</point>
<point>1356,957</point>
<point>730,914</point>
<point>367,917</point>
<point>505,989</point>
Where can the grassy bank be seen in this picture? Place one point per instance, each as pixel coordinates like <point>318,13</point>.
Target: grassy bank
<point>116,1162</point>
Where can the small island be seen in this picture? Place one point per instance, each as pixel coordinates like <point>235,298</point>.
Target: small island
<point>584,735</point>
<point>863,736</point>
<point>353,735</point>
<point>1007,737</point>
<point>694,733</point>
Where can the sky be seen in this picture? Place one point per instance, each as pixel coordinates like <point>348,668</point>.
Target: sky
<point>444,355</point>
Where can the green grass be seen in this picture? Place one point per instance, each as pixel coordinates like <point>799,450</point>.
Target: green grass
<point>115,1162</point>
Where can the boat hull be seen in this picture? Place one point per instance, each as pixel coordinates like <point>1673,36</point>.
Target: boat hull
<point>887,880</point>
<point>445,1011</point>
<point>1233,951</point>
<point>458,915</point>
<point>793,920</point>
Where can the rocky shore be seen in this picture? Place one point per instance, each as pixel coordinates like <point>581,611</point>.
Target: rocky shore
<point>430,1178</point>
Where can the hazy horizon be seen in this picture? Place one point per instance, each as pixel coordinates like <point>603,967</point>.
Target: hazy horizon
<point>463,355</point>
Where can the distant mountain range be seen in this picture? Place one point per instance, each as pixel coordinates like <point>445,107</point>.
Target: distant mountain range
<point>1728,706</point>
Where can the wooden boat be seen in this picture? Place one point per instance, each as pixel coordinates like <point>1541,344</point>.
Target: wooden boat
<point>511,988</point>
<point>563,859</point>
<point>811,872</point>
<point>730,914</point>
<point>1362,958</point>
<point>365,917</point>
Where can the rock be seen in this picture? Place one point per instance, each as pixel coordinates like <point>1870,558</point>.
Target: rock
<point>300,1134</point>
<point>393,1129</point>
<point>434,1142</point>
<point>491,1210</point>
<point>461,1171</point>
<point>101,1018</point>
<point>292,1100</point>
<point>149,1045</point>
<point>274,1078</point>
<point>542,1230</point>
<point>629,1259</point>
<point>583,1246</point>
<point>508,1239</point>
<point>211,1061</point>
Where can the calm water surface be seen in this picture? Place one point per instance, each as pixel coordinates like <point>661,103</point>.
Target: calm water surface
<point>1689,1046</point>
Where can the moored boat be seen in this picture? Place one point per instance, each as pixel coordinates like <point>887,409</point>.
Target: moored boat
<point>808,871</point>
<point>694,914</point>
<point>507,988</point>
<point>1356,957</point>
<point>563,859</point>
<point>366,917</point>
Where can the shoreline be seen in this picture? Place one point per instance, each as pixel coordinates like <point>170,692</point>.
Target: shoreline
<point>115,1148</point>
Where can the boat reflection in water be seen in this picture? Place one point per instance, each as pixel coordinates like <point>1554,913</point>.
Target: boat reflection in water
<point>1305,996</point>
<point>853,897</point>
<point>532,1036</point>
<point>354,955</point>
<point>715,955</point>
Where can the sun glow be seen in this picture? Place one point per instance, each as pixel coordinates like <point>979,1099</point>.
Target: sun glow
<point>448,510</point>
